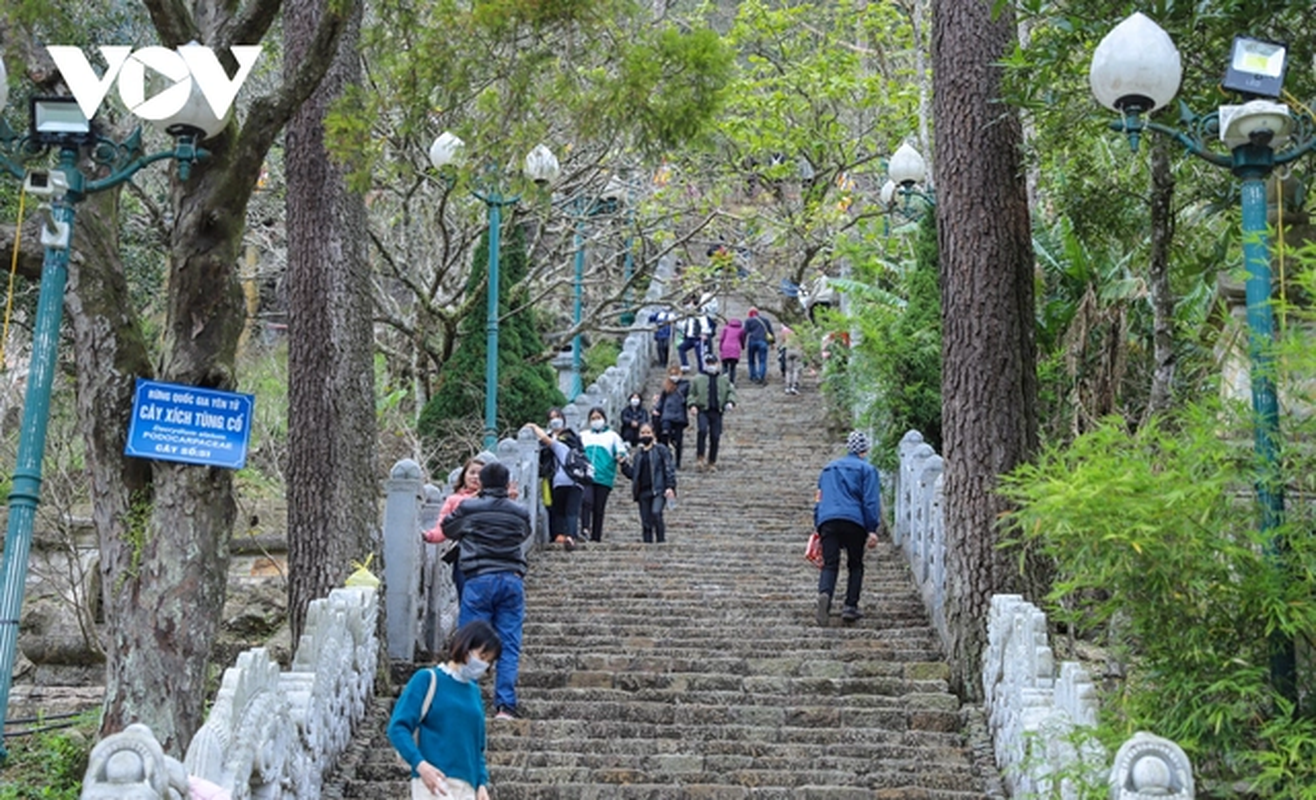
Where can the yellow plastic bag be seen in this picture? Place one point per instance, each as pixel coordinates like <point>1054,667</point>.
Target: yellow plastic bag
<point>363,576</point>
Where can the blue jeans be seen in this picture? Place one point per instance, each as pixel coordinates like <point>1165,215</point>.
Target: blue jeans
<point>499,599</point>
<point>686,346</point>
<point>758,360</point>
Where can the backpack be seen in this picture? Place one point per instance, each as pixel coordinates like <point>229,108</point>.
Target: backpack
<point>578,466</point>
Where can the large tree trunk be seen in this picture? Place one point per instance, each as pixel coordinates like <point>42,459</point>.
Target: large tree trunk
<point>164,559</point>
<point>989,382</point>
<point>332,466</point>
<point>1158,277</point>
<point>163,528</point>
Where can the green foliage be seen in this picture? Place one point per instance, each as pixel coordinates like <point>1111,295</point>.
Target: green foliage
<point>670,85</point>
<point>598,357</point>
<point>263,372</point>
<point>1156,550</point>
<point>527,386</point>
<point>894,367</point>
<point>505,75</point>
<point>823,91</point>
<point>48,765</point>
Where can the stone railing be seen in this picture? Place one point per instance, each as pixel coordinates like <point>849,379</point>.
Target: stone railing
<point>270,733</point>
<point>420,600</point>
<point>1037,716</point>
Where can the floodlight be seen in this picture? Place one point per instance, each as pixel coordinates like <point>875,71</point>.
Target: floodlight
<point>1256,67</point>
<point>58,121</point>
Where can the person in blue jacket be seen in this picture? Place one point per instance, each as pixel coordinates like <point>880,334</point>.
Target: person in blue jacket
<point>443,741</point>
<point>846,515</point>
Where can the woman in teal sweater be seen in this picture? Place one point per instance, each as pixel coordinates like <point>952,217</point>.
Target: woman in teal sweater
<point>438,722</point>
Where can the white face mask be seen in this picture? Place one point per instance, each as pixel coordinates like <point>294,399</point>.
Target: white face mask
<point>596,424</point>
<point>474,668</point>
<point>635,402</point>
<point>556,423</point>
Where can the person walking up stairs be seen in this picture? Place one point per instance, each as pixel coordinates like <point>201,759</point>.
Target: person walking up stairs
<point>695,668</point>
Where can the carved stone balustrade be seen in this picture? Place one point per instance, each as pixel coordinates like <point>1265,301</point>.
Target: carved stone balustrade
<point>1036,715</point>
<point>269,734</point>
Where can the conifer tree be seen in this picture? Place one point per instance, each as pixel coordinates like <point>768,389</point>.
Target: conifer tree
<point>527,386</point>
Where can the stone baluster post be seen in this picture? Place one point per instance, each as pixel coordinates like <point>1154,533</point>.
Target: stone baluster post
<point>904,487</point>
<point>402,559</point>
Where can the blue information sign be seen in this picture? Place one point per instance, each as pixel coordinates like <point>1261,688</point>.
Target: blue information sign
<point>188,424</point>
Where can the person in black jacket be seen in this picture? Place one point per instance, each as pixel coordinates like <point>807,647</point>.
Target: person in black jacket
<point>653,483</point>
<point>632,416</point>
<point>669,414</point>
<point>490,531</point>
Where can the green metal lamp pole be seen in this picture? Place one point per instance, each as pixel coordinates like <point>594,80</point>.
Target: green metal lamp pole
<point>1135,70</point>
<point>1252,163</point>
<point>495,201</point>
<point>541,166</point>
<point>124,161</point>
<point>628,272</point>
<point>577,341</point>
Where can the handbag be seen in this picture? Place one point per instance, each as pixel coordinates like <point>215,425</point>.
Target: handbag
<point>813,550</point>
<point>457,790</point>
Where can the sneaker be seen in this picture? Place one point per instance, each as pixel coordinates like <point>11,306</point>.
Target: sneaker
<point>505,713</point>
<point>700,466</point>
<point>851,614</point>
<point>568,543</point>
<point>824,608</point>
<point>712,467</point>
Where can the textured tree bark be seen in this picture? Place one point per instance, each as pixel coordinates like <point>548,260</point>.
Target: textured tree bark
<point>989,382</point>
<point>164,528</point>
<point>332,466</point>
<point>164,562</point>
<point>1158,277</point>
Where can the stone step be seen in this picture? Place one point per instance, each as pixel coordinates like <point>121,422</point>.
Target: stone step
<point>694,670</point>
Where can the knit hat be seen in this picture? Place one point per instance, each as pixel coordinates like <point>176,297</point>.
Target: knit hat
<point>493,476</point>
<point>857,442</point>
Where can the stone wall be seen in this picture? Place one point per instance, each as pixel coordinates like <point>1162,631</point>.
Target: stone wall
<point>1038,716</point>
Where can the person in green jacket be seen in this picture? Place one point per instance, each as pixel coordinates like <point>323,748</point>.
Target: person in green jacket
<point>604,447</point>
<point>712,394</point>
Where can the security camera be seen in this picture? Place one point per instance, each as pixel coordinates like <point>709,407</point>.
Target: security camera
<point>45,183</point>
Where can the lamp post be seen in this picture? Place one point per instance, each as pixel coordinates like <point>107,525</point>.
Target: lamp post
<point>587,207</point>
<point>540,166</point>
<point>58,123</point>
<point>1136,70</point>
<point>583,210</point>
<point>906,171</point>
<point>619,190</point>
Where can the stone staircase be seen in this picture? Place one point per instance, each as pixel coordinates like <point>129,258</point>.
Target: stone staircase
<point>694,669</point>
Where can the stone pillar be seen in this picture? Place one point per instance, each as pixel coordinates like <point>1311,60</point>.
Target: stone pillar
<point>904,486</point>
<point>402,558</point>
<point>1148,766</point>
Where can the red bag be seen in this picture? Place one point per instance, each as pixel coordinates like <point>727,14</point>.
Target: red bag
<point>813,551</point>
